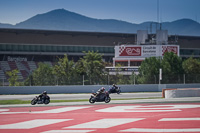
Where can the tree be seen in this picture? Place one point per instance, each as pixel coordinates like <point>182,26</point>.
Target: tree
<point>43,75</point>
<point>13,77</point>
<point>171,68</point>
<point>191,66</point>
<point>64,70</point>
<point>93,66</point>
<point>29,80</point>
<point>133,78</point>
<point>149,70</point>
<point>80,72</point>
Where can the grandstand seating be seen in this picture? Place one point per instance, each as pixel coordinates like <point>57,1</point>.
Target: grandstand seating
<point>2,75</point>
<point>49,63</point>
<point>12,65</point>
<point>24,73</point>
<point>4,65</point>
<point>24,67</point>
<point>25,63</point>
<point>32,65</point>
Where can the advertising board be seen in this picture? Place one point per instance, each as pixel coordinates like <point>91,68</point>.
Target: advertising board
<point>144,50</point>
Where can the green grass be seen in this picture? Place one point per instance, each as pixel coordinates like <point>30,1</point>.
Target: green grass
<point>7,102</point>
<point>138,98</point>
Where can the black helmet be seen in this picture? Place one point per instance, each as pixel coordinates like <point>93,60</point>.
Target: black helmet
<point>44,92</point>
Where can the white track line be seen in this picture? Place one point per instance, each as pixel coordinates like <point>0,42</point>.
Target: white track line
<point>58,110</point>
<point>68,131</point>
<point>179,119</point>
<point>32,123</point>
<point>161,130</point>
<point>105,123</point>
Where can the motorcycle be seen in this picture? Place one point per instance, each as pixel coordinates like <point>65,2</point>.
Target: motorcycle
<point>116,90</point>
<point>39,100</point>
<point>103,97</point>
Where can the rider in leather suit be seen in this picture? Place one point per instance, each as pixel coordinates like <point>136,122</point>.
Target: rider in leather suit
<point>43,96</point>
<point>100,91</point>
<point>114,87</point>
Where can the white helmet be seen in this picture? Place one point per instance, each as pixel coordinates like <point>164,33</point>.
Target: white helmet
<point>102,88</point>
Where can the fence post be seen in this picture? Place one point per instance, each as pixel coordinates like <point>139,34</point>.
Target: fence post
<point>160,75</point>
<point>108,79</point>
<point>83,80</point>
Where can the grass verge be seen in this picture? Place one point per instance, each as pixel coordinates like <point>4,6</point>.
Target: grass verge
<point>7,102</point>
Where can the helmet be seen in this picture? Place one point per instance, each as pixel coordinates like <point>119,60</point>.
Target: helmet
<point>102,88</point>
<point>44,92</point>
<point>113,84</point>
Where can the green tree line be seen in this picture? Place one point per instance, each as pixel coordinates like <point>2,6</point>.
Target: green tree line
<point>91,68</point>
<point>174,70</point>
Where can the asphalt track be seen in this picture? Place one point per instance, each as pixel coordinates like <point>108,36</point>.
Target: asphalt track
<point>129,116</point>
<point>83,96</point>
<point>104,118</point>
<point>120,99</point>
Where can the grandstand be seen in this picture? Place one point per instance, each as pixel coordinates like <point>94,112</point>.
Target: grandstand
<point>24,48</point>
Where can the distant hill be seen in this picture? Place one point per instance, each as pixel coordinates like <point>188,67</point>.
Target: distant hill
<point>6,25</point>
<point>61,19</point>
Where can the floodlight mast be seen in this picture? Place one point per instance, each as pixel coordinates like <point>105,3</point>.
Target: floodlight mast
<point>158,11</point>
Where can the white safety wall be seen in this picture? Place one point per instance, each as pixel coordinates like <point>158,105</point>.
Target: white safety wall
<point>182,93</point>
<point>90,88</point>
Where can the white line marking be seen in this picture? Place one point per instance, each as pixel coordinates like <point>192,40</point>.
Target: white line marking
<point>161,130</point>
<point>106,123</point>
<point>32,123</point>
<point>13,112</point>
<point>148,108</point>
<point>68,131</point>
<point>2,110</point>
<point>135,109</point>
<point>179,119</point>
<point>58,110</point>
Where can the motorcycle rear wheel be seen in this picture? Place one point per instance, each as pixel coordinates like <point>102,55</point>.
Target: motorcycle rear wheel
<point>107,99</point>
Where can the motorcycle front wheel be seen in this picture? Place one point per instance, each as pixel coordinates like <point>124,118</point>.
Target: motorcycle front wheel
<point>119,91</point>
<point>33,102</point>
<point>47,102</point>
<point>91,100</point>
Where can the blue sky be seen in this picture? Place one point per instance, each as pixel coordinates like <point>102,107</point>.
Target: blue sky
<point>134,11</point>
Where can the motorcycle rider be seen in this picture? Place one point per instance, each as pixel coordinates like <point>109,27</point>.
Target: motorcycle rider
<point>43,96</point>
<point>114,87</point>
<point>100,91</point>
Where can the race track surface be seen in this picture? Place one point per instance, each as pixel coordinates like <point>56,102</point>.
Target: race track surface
<point>102,118</point>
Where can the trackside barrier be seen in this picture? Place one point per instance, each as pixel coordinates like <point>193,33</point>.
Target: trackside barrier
<point>90,88</point>
<point>186,92</point>
<point>163,91</point>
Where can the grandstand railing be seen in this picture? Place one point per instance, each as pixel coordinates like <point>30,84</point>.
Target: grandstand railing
<point>51,49</point>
